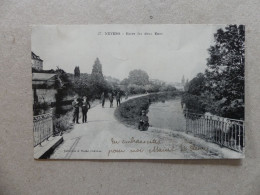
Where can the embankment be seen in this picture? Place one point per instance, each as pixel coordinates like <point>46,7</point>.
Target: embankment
<point>129,112</point>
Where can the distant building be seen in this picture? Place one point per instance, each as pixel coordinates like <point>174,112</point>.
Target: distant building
<point>37,62</point>
<point>44,90</point>
<point>157,82</point>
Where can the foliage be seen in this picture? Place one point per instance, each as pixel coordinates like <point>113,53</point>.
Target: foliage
<point>138,77</point>
<point>197,85</point>
<point>63,123</point>
<point>40,108</point>
<point>64,88</point>
<point>76,72</point>
<point>97,75</point>
<point>92,85</point>
<point>220,89</point>
<point>130,111</point>
<point>138,82</point>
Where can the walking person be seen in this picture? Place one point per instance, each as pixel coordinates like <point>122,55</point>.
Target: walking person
<point>75,105</point>
<point>103,99</point>
<point>111,99</point>
<point>118,98</point>
<point>126,95</point>
<point>85,108</point>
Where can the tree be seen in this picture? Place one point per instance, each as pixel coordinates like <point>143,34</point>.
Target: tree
<point>225,70</point>
<point>97,74</point>
<point>76,72</point>
<point>124,82</point>
<point>138,77</point>
<point>98,83</point>
<point>196,85</point>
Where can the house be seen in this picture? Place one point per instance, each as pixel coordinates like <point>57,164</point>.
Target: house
<point>37,62</point>
<point>44,90</point>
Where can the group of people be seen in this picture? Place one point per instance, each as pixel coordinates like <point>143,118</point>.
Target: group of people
<point>111,97</point>
<point>85,106</point>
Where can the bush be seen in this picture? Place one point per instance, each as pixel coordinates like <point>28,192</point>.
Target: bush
<point>63,123</point>
<point>130,111</point>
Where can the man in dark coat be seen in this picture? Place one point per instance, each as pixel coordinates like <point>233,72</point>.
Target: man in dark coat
<point>111,99</point>
<point>75,105</point>
<point>143,121</point>
<point>85,108</point>
<point>103,99</point>
<point>118,98</point>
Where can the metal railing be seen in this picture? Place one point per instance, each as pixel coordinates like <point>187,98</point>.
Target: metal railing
<point>42,128</point>
<point>225,132</point>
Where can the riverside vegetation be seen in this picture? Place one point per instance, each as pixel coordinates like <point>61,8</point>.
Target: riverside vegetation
<point>129,112</point>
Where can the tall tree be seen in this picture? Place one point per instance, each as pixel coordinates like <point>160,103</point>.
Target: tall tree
<point>77,71</point>
<point>97,74</point>
<point>225,69</point>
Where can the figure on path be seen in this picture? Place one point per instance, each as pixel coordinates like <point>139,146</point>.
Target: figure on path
<point>118,98</point>
<point>103,99</point>
<point>111,99</point>
<point>85,108</point>
<point>126,95</point>
<point>75,105</point>
<point>143,121</point>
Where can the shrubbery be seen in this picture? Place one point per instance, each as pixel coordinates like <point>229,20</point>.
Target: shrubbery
<point>63,123</point>
<point>129,112</point>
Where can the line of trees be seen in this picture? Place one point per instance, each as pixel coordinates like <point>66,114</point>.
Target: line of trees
<point>220,89</point>
<point>95,83</point>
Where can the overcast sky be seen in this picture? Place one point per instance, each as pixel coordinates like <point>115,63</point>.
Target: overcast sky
<point>180,50</point>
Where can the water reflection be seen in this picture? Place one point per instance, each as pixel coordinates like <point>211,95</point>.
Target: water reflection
<point>167,115</point>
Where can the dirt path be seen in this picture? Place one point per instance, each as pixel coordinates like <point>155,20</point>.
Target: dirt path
<point>93,140</point>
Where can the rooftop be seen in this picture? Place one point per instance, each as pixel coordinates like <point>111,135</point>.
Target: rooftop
<point>35,57</point>
<point>42,76</point>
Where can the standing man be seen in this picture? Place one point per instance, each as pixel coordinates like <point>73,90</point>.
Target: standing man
<point>85,108</point>
<point>103,99</point>
<point>118,97</point>
<point>75,105</point>
<point>111,99</point>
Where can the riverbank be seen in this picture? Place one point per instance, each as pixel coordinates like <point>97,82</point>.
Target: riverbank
<point>129,112</point>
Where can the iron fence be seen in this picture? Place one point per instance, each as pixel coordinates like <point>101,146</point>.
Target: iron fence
<point>225,132</point>
<point>42,128</point>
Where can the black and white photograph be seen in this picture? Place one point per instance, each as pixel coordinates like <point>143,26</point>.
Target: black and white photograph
<point>138,91</point>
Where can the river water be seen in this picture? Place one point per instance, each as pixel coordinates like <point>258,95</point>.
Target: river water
<point>167,115</point>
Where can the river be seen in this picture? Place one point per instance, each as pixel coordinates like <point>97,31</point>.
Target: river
<point>167,115</point>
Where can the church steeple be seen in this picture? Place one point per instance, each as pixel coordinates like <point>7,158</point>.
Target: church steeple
<point>183,80</point>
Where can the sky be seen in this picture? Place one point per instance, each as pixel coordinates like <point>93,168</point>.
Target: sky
<point>175,51</point>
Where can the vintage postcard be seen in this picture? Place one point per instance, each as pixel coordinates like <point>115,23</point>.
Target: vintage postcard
<point>125,91</point>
